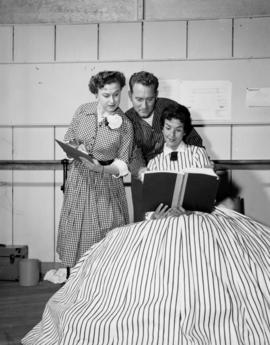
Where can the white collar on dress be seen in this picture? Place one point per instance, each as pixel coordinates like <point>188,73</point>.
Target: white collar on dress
<point>181,148</point>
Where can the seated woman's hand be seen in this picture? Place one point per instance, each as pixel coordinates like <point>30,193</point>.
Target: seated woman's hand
<point>141,173</point>
<point>176,211</point>
<point>162,211</point>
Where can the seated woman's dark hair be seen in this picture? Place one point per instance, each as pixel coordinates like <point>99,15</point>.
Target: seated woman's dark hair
<point>144,78</point>
<point>179,112</point>
<point>99,80</point>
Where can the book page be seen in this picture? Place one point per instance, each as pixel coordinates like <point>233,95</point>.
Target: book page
<point>182,191</point>
<point>177,190</point>
<point>207,99</point>
<point>206,171</point>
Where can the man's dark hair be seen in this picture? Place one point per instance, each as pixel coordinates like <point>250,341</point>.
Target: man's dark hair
<point>144,78</point>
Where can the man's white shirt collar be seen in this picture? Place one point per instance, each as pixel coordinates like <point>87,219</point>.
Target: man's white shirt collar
<point>181,148</point>
<point>149,119</point>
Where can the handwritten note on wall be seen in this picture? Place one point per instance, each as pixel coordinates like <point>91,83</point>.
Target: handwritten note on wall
<point>258,97</point>
<point>206,100</point>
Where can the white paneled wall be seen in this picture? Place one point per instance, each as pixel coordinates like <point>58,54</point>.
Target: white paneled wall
<point>44,75</point>
<point>76,42</point>
<point>251,37</point>
<point>217,140</point>
<point>6,207</point>
<point>6,143</point>
<point>6,33</point>
<point>6,197</point>
<point>210,39</point>
<point>251,142</point>
<point>33,143</point>
<point>120,41</point>
<point>33,43</point>
<point>172,32</point>
<point>33,212</point>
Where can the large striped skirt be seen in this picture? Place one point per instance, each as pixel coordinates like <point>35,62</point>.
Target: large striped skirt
<point>197,279</point>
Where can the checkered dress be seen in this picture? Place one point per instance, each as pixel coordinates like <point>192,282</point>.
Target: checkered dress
<point>93,203</point>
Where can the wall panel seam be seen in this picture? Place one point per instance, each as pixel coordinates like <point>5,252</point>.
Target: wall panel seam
<point>142,41</point>
<point>232,47</point>
<point>187,40</point>
<point>98,42</point>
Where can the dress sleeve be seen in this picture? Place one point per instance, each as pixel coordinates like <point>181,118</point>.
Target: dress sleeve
<point>201,158</point>
<point>70,135</point>
<point>125,149</point>
<point>152,165</point>
<point>137,161</point>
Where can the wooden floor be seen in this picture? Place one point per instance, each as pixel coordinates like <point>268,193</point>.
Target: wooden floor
<point>21,308</point>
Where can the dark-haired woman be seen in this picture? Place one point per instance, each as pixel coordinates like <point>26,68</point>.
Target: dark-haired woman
<point>94,198</point>
<point>175,123</point>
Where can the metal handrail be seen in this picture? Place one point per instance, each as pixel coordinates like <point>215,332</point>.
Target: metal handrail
<point>241,164</point>
<point>31,164</point>
<point>37,165</point>
<point>230,164</point>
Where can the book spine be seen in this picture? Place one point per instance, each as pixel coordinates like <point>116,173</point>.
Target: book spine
<point>177,190</point>
<point>183,190</point>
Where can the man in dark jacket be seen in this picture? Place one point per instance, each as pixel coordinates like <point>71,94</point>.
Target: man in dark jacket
<point>145,117</point>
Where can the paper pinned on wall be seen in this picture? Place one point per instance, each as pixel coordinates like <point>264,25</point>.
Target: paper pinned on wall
<point>170,88</point>
<point>258,97</point>
<point>207,100</point>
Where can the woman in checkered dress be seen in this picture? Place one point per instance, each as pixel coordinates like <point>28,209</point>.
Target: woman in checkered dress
<point>195,279</point>
<point>94,197</point>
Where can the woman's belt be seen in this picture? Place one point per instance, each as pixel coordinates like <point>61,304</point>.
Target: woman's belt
<point>106,162</point>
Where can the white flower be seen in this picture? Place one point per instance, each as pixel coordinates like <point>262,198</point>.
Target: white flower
<point>114,121</point>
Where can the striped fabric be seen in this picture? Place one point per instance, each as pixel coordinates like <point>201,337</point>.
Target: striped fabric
<point>189,156</point>
<point>199,279</point>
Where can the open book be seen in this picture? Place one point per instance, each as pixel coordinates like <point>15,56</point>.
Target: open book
<point>72,152</point>
<point>194,189</point>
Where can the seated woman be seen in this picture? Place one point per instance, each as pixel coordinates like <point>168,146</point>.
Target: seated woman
<point>177,155</point>
<point>198,278</point>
